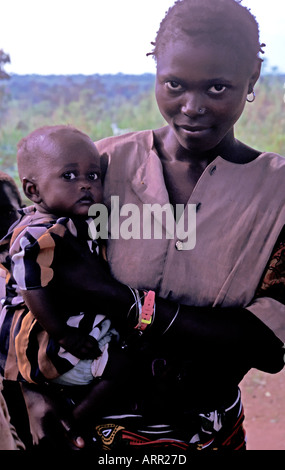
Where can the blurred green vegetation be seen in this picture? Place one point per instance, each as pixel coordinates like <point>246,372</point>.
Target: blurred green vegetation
<point>98,104</point>
<point>262,124</point>
<point>95,104</point>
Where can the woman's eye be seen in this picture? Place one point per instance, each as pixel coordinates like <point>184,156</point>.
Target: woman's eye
<point>217,89</point>
<point>172,85</point>
<point>68,175</point>
<point>93,176</point>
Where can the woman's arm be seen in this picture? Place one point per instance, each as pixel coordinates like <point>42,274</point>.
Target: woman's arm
<point>227,332</point>
<point>269,302</point>
<point>223,329</point>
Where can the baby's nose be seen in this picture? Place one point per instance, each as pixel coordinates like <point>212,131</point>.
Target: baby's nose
<point>85,184</point>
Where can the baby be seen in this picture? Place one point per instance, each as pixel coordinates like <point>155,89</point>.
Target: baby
<point>52,339</point>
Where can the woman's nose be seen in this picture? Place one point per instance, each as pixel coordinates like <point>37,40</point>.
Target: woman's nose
<point>193,105</point>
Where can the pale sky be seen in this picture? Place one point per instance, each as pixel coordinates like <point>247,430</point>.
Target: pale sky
<point>105,36</point>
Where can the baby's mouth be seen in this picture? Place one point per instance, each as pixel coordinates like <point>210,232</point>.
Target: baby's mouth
<point>86,199</point>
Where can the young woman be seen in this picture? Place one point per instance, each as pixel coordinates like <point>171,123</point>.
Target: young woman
<point>219,305</point>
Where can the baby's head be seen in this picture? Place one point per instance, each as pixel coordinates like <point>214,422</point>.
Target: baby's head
<point>216,22</point>
<point>10,202</point>
<point>59,167</point>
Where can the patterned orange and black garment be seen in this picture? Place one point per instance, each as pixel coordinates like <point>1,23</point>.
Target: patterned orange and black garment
<point>27,352</point>
<point>216,430</point>
<point>273,282</point>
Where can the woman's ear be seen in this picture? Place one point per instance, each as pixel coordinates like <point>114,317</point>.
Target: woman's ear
<point>255,76</point>
<point>30,189</point>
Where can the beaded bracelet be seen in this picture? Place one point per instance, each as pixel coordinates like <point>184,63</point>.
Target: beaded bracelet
<point>146,312</point>
<point>145,309</point>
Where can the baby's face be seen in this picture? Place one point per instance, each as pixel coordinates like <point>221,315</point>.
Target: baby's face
<point>70,179</point>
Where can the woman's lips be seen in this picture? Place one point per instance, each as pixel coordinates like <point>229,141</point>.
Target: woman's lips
<point>193,128</point>
<point>195,131</point>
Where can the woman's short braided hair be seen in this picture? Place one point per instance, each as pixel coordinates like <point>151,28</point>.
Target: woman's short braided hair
<point>220,21</point>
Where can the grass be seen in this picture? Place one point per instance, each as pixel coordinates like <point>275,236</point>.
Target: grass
<point>261,126</point>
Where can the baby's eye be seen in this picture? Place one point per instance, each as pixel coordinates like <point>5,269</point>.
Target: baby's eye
<point>217,89</point>
<point>172,85</point>
<point>68,175</point>
<point>93,176</point>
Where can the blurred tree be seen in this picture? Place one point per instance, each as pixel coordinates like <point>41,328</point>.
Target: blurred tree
<point>4,59</point>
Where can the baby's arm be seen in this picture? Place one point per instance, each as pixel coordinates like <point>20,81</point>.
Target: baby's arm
<point>42,305</point>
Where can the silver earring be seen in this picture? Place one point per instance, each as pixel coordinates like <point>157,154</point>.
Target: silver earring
<point>251,100</point>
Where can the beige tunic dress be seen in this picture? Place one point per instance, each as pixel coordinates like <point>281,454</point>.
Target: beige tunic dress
<point>240,212</point>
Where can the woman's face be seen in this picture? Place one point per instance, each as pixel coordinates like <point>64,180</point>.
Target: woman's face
<point>201,91</point>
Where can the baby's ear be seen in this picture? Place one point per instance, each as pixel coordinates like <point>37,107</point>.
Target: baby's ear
<point>30,189</point>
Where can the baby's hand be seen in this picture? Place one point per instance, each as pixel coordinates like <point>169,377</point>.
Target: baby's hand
<point>79,344</point>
